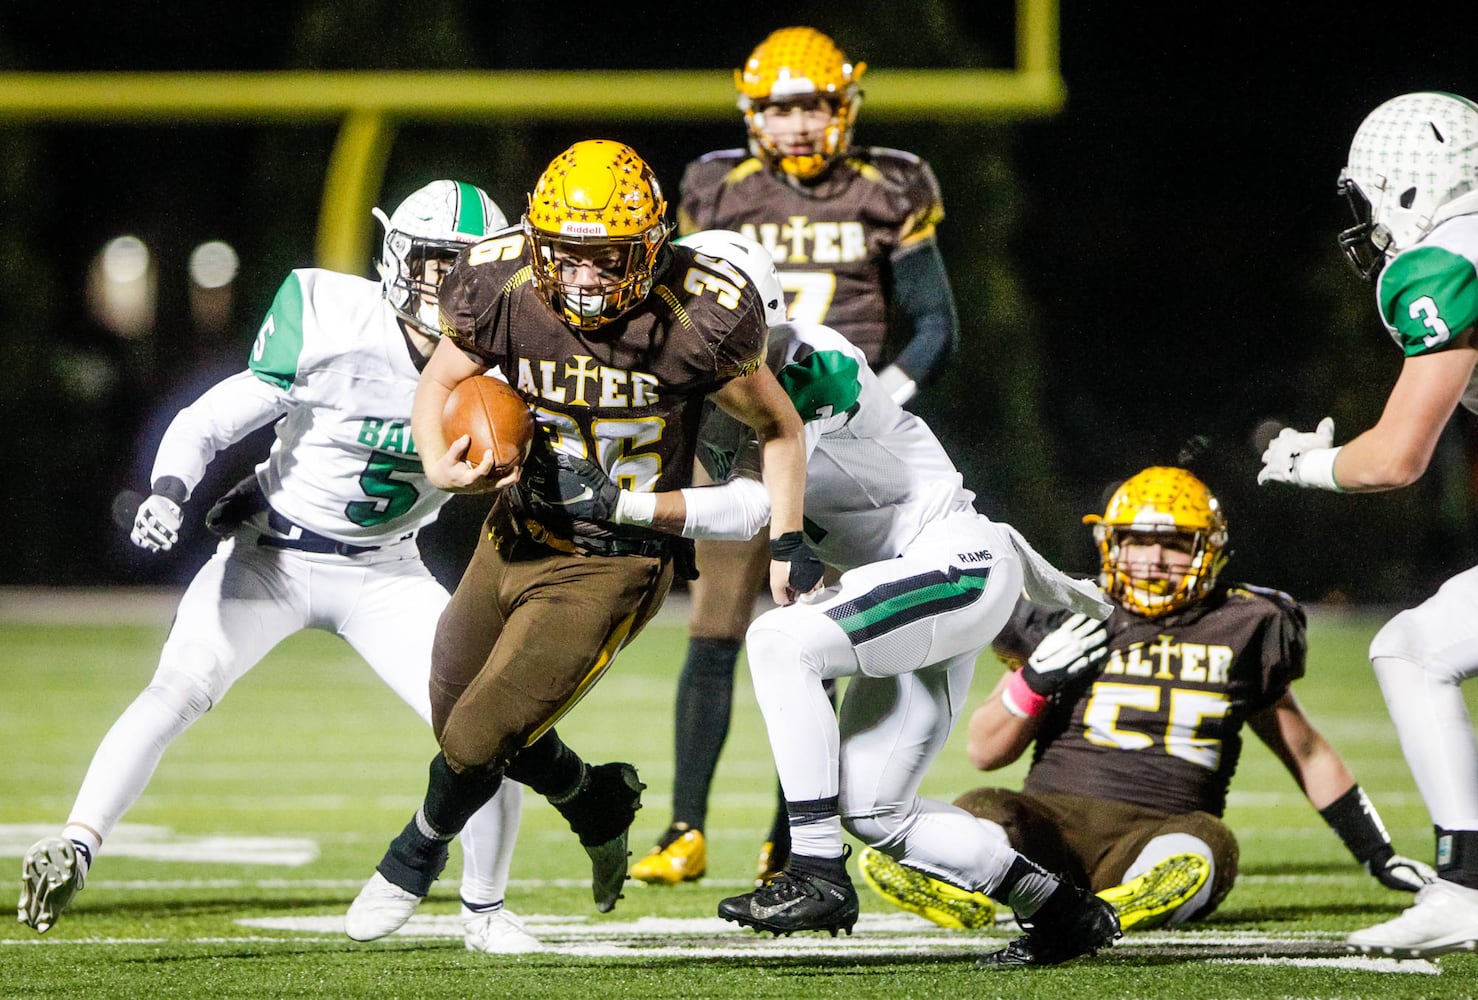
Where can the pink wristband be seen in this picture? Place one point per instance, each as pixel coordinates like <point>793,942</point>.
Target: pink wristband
<point>1020,700</point>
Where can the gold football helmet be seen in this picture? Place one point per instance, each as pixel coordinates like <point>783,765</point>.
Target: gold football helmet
<point>596,225</point>
<point>1161,500</point>
<point>798,63</point>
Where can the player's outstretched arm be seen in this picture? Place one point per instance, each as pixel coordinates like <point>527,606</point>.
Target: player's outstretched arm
<point>1331,789</point>
<point>996,736</point>
<point>1393,453</point>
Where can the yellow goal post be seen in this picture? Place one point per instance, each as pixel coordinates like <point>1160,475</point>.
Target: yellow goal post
<point>368,105</point>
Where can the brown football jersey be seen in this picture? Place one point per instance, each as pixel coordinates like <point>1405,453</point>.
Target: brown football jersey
<point>628,394</point>
<point>1160,727</point>
<point>831,240</point>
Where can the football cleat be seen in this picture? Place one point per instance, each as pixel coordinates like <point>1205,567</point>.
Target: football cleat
<point>937,901</point>
<point>795,901</point>
<point>50,877</point>
<point>1063,929</point>
<point>380,908</point>
<point>1443,919</point>
<point>680,856</point>
<point>498,932</point>
<point>1152,898</point>
<point>601,813</point>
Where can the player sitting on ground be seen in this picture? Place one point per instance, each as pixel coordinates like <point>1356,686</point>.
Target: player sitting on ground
<point>1137,726</point>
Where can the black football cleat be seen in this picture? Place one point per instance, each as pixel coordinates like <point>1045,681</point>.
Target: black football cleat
<point>601,814</point>
<point>795,901</point>
<point>1077,924</point>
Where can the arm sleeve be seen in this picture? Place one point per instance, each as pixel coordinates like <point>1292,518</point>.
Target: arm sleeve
<point>729,511</point>
<point>921,289</point>
<point>223,415</point>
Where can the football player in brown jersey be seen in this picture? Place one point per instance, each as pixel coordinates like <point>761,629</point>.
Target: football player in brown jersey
<point>1138,728</point>
<point>851,229</point>
<point>615,337</point>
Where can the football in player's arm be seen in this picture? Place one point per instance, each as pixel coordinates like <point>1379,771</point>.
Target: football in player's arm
<point>616,338</point>
<point>1412,180</point>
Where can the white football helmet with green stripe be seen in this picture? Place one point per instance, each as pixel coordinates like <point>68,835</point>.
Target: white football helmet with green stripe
<point>1413,164</point>
<point>423,237</point>
<point>751,258</point>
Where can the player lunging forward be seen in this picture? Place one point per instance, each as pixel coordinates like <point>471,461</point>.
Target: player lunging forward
<point>322,536</point>
<point>1412,178</point>
<point>926,583</point>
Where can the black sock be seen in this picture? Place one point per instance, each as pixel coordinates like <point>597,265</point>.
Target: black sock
<point>831,869</point>
<point>453,796</point>
<point>705,700</point>
<point>415,859</point>
<point>547,766</point>
<point>1457,856</point>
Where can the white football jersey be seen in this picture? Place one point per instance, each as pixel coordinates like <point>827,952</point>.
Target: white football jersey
<point>875,473</point>
<point>331,362</point>
<point>1428,293</point>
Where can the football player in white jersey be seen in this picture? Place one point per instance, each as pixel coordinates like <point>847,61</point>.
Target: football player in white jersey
<point>1412,178</point>
<point>322,536</point>
<point>926,583</point>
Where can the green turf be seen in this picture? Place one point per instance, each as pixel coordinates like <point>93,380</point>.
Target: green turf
<point>312,748</point>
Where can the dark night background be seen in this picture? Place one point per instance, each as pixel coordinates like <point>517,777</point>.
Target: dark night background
<point>1144,278</point>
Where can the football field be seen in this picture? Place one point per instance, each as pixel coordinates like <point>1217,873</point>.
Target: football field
<point>231,875</point>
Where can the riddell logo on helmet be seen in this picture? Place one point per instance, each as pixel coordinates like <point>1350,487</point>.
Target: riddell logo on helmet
<point>569,228</point>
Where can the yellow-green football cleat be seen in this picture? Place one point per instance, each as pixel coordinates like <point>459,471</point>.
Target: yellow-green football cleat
<point>771,863</point>
<point>681,856</point>
<point>946,905</point>
<point>1150,900</point>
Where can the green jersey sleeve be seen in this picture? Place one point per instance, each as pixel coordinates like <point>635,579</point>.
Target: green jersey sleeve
<point>279,343</point>
<point>821,384</point>
<point>1428,296</point>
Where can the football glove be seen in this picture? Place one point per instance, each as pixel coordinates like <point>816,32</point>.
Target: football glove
<point>805,569</point>
<point>156,526</point>
<point>1302,458</point>
<point>241,502</point>
<point>575,487</point>
<point>1395,872</point>
<point>1065,653</point>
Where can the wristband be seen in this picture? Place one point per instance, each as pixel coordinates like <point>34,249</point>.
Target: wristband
<point>1020,700</point>
<point>635,508</point>
<point>1359,826</point>
<point>172,487</point>
<point>1316,468</point>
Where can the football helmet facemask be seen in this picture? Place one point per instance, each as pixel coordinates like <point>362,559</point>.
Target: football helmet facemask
<point>1160,500</point>
<point>753,261</point>
<point>597,202</point>
<point>433,225</point>
<point>792,64</point>
<point>1413,164</point>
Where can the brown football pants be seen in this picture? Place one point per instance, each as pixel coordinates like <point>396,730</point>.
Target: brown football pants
<point>527,633</point>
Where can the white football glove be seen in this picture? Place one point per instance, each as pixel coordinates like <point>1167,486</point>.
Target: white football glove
<point>1403,874</point>
<point>156,527</point>
<point>897,383</point>
<point>1302,458</point>
<point>1064,653</point>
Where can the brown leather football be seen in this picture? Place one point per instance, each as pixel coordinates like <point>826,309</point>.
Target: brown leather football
<point>494,415</point>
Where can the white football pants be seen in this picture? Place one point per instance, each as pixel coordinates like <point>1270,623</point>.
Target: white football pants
<point>907,631</point>
<point>243,602</point>
<point>1421,658</point>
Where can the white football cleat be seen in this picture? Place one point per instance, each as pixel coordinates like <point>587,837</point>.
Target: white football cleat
<point>498,932</point>
<point>50,877</point>
<point>380,908</point>
<point>1444,918</point>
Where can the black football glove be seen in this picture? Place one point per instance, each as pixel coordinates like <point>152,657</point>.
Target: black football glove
<point>805,568</point>
<point>235,506</point>
<point>571,488</point>
<point>1395,872</point>
<point>1065,653</point>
